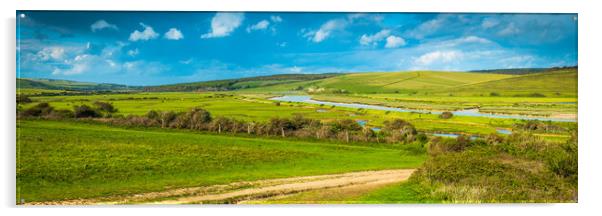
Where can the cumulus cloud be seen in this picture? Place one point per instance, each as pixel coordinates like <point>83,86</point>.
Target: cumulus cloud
<point>102,24</point>
<point>295,69</point>
<point>147,34</point>
<point>326,30</point>
<point>281,44</point>
<point>438,57</point>
<point>261,25</point>
<point>372,40</point>
<point>489,23</point>
<point>394,42</point>
<point>428,27</point>
<point>223,24</point>
<point>133,52</point>
<point>276,19</point>
<point>510,29</point>
<point>51,53</point>
<point>173,34</point>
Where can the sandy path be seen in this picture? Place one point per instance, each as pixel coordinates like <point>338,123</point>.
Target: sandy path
<point>245,191</point>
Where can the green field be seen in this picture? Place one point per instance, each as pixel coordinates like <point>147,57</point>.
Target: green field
<point>66,160</point>
<point>73,158</point>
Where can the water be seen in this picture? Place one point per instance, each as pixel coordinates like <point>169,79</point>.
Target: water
<point>504,131</point>
<point>471,112</point>
<point>451,135</point>
<point>361,122</point>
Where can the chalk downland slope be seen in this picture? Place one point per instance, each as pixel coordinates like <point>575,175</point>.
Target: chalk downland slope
<point>388,82</point>
<point>555,83</point>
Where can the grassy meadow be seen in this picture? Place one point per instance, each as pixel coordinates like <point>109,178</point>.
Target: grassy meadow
<point>67,160</point>
<point>71,157</point>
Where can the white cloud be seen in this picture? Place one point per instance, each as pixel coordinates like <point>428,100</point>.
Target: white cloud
<point>473,39</point>
<point>394,42</point>
<point>261,25</point>
<point>133,52</point>
<point>438,57</point>
<point>281,44</point>
<point>147,34</point>
<point>326,30</point>
<point>222,24</point>
<point>276,19</point>
<point>48,53</point>
<point>295,69</point>
<point>489,23</point>
<point>509,30</point>
<point>428,27</point>
<point>173,34</point>
<point>102,24</point>
<point>187,61</point>
<point>372,40</point>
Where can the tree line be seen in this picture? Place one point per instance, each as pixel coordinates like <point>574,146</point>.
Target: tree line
<point>347,130</point>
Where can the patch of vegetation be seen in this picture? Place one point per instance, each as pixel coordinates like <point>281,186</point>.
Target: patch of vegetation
<point>446,115</point>
<point>74,159</point>
<point>518,168</point>
<point>241,83</point>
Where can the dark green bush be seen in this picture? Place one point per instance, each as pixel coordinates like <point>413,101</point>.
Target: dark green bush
<point>446,115</point>
<point>85,111</point>
<point>39,110</point>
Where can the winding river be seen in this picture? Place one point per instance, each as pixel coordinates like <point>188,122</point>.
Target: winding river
<point>471,112</point>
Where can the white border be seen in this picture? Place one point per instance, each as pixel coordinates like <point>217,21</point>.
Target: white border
<point>589,100</point>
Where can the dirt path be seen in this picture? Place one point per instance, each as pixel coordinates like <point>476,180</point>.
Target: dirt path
<point>247,191</point>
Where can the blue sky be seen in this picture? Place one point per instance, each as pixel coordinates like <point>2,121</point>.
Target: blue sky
<point>151,48</point>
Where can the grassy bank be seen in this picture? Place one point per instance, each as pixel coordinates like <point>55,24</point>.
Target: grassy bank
<point>67,160</point>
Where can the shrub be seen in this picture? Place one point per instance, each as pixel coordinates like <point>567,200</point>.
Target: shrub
<point>85,111</point>
<point>152,114</point>
<point>165,118</point>
<point>23,99</point>
<point>105,107</point>
<point>41,109</point>
<point>446,115</point>
<point>199,118</point>
<point>439,145</point>
<point>60,114</point>
<point>536,95</point>
<point>494,94</point>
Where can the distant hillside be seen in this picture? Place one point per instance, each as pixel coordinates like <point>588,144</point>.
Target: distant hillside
<point>242,83</point>
<point>386,82</point>
<point>559,82</point>
<point>53,84</point>
<point>522,71</point>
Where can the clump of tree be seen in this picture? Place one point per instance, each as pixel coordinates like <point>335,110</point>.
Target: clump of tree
<point>44,110</point>
<point>22,99</point>
<point>446,115</point>
<point>494,94</point>
<point>399,130</point>
<point>105,107</point>
<point>39,110</point>
<point>539,126</point>
<point>346,130</point>
<point>536,94</point>
<point>85,111</point>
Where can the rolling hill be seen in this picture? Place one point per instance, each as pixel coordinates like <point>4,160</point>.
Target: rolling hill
<point>553,82</point>
<point>388,82</point>
<point>54,84</point>
<point>561,82</point>
<point>242,83</point>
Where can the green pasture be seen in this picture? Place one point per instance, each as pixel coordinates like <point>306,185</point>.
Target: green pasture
<point>68,160</point>
<point>253,107</point>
